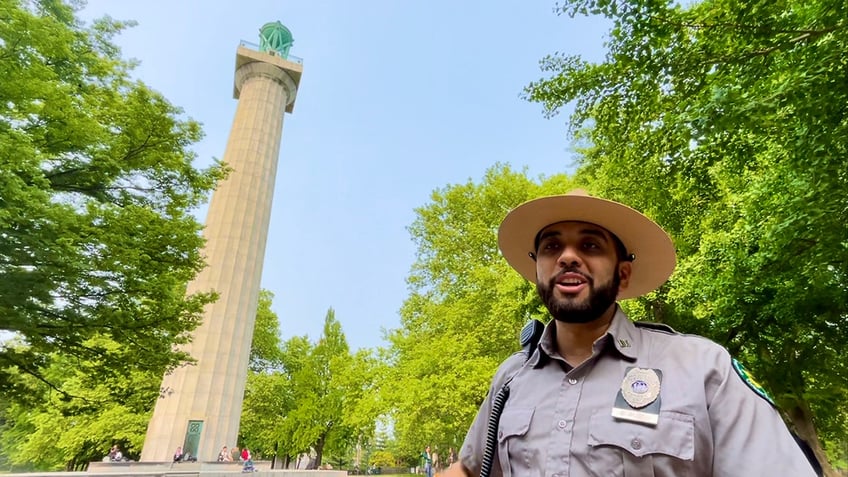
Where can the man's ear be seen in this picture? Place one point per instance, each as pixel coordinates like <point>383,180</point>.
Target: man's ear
<point>625,269</point>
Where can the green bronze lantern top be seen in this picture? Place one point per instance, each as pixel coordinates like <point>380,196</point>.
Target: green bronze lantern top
<point>276,38</point>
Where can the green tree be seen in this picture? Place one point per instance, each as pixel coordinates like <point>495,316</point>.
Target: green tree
<point>267,395</point>
<point>725,120</point>
<point>318,413</point>
<point>464,313</point>
<point>96,185</point>
<point>316,400</point>
<point>265,353</point>
<point>77,419</point>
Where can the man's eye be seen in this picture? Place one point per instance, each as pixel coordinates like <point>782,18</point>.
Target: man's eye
<point>550,246</point>
<point>591,245</point>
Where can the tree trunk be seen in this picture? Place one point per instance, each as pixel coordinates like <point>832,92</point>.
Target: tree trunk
<point>319,451</point>
<point>802,420</point>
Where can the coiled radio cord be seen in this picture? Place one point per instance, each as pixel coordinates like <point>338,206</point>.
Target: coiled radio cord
<point>529,338</point>
<point>492,430</point>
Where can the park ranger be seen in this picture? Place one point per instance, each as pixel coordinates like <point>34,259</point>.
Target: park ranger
<point>599,395</point>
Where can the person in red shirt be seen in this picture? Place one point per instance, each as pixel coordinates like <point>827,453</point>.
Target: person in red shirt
<point>248,461</point>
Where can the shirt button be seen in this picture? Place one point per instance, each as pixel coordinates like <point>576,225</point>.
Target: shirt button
<point>562,424</point>
<point>572,381</point>
<point>636,444</point>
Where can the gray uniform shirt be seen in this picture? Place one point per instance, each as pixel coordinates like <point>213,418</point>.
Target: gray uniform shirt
<point>557,421</point>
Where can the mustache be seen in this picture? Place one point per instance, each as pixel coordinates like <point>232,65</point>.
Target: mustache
<point>571,269</point>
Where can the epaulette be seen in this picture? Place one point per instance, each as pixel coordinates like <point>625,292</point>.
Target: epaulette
<point>655,326</point>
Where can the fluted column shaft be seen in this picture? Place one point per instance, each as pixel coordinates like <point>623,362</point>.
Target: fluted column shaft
<point>236,230</point>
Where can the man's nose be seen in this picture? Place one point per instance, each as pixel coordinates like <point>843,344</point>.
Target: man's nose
<point>569,257</point>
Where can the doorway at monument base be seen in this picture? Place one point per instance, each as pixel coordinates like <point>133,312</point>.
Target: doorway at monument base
<point>182,469</point>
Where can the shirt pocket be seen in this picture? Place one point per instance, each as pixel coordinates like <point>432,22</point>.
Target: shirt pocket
<point>627,449</point>
<point>512,447</point>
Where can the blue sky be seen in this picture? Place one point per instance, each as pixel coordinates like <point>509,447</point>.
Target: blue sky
<point>397,99</point>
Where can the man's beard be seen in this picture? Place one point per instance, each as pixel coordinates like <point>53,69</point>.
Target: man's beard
<point>567,310</point>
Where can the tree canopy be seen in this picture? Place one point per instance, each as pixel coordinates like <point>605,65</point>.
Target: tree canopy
<point>77,419</point>
<point>80,416</point>
<point>96,188</point>
<point>315,400</point>
<point>727,121</point>
<point>464,312</point>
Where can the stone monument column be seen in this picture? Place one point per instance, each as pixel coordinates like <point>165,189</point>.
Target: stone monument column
<point>201,404</point>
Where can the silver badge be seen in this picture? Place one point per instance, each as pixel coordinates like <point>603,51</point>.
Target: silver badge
<point>640,387</point>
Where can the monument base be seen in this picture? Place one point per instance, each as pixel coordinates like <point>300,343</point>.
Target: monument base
<point>183,469</point>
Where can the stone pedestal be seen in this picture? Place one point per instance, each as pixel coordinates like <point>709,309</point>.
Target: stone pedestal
<point>182,469</point>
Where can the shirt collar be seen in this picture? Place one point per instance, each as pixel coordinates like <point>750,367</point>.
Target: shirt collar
<point>622,334</point>
<point>545,348</point>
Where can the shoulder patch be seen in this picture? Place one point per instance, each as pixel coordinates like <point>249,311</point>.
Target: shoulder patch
<point>655,326</point>
<point>751,382</point>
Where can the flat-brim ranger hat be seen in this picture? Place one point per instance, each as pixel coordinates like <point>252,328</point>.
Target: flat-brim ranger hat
<point>653,252</point>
